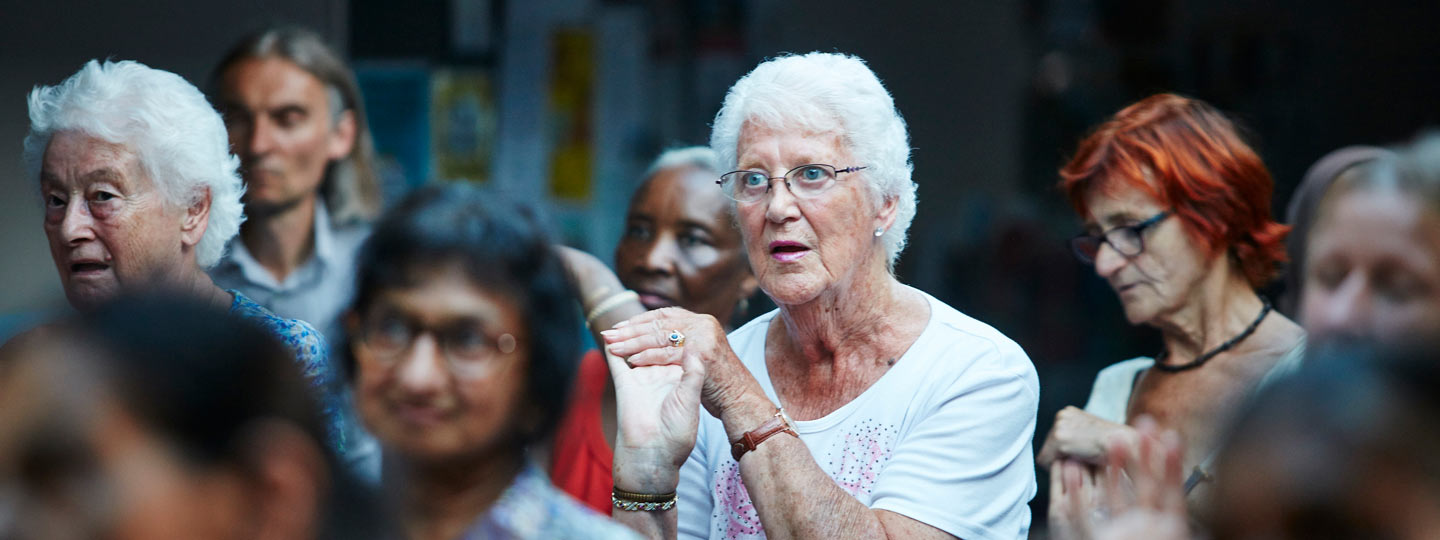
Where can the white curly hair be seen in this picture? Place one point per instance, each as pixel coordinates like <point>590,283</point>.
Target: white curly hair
<point>828,92</point>
<point>177,136</point>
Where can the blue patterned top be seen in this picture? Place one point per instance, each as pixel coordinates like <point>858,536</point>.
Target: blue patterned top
<point>312,355</point>
<point>532,508</point>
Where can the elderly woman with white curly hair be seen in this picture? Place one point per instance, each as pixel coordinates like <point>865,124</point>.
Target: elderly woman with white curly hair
<point>141,195</point>
<point>862,407</point>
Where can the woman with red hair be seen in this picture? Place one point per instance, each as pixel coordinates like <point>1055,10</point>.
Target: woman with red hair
<point>1177,219</point>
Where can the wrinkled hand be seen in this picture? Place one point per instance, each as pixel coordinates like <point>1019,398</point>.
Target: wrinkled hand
<point>1079,435</point>
<point>658,415</point>
<point>658,387</point>
<point>644,341</point>
<point>1155,509</point>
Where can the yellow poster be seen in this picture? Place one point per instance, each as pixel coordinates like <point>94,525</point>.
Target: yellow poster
<point>572,87</point>
<point>462,125</point>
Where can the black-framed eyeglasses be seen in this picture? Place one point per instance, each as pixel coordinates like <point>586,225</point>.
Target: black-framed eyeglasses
<point>469,351</point>
<point>1127,240</point>
<point>805,181</point>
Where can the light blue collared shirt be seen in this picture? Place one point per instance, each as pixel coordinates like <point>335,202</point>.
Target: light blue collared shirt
<point>318,292</point>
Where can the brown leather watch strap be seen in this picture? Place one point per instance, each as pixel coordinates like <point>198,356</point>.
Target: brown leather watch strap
<point>752,439</point>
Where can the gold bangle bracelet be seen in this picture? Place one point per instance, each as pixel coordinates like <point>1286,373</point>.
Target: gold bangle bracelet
<point>614,301</point>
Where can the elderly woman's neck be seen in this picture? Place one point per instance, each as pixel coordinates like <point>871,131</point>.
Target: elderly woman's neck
<point>441,500</point>
<point>192,281</point>
<point>862,318</point>
<point>1220,312</point>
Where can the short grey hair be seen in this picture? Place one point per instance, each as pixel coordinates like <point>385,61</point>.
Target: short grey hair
<point>828,92</point>
<point>700,157</point>
<point>178,138</point>
<point>1411,169</point>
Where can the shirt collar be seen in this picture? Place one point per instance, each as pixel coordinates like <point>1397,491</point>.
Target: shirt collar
<point>322,256</point>
<point>324,235</point>
<point>522,510</point>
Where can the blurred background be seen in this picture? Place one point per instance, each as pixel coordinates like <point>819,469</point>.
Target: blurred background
<point>566,101</point>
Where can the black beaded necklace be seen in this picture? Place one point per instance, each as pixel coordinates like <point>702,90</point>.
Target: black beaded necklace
<point>1200,360</point>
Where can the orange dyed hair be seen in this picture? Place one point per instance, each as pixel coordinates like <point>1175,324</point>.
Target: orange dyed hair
<point>1197,165</point>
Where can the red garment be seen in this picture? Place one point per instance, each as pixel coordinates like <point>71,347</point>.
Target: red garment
<point>582,460</point>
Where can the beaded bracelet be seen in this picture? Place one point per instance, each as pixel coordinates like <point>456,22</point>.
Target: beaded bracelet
<point>637,502</point>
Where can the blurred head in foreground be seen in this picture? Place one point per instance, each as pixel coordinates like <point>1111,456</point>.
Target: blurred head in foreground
<point>156,418</point>
<point>1348,448</point>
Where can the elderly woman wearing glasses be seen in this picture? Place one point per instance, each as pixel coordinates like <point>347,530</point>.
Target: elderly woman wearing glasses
<point>1177,209</point>
<point>466,340</point>
<point>862,407</point>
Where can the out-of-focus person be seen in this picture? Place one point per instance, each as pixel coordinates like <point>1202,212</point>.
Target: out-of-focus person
<point>141,193</point>
<point>296,120</point>
<point>862,407</point>
<point>465,342</point>
<point>680,248</point>
<point>171,418</point>
<point>1177,216</point>
<point>1347,448</point>
<point>1300,212</point>
<point>1344,448</point>
<point>1372,268</point>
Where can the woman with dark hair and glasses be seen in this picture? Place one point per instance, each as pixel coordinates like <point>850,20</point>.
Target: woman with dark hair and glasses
<point>465,343</point>
<point>1177,212</point>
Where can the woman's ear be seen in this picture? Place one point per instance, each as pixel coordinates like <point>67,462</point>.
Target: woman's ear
<point>196,220</point>
<point>889,208</point>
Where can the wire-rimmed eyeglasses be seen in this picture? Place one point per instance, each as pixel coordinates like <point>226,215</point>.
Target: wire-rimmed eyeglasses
<point>805,181</point>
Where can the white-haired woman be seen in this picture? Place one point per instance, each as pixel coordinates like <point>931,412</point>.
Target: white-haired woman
<point>862,407</point>
<point>141,193</point>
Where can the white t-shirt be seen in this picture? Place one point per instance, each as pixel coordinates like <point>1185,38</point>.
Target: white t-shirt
<point>943,437</point>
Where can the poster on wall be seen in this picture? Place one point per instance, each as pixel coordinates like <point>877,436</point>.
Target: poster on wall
<point>572,90</point>
<point>463,124</point>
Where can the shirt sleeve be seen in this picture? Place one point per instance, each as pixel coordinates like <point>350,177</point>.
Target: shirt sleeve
<point>1110,396</point>
<point>966,466</point>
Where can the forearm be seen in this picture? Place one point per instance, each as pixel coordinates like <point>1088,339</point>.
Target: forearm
<point>792,495</point>
<point>658,525</point>
<point>603,306</point>
<point>599,290</point>
<point>613,316</point>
